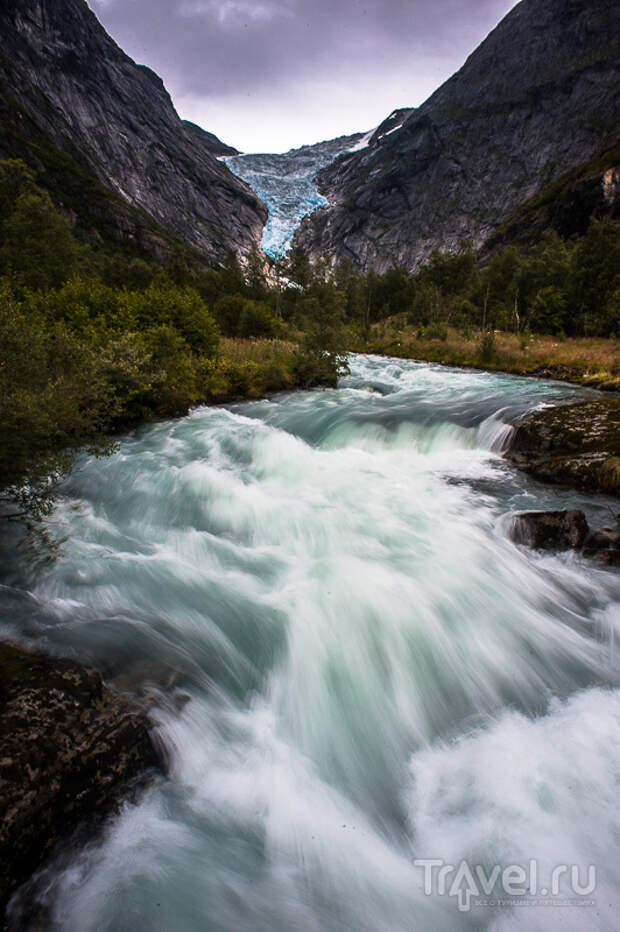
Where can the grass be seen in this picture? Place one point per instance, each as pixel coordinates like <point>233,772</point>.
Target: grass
<point>251,369</point>
<point>594,362</point>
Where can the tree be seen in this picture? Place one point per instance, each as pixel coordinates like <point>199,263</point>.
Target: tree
<point>594,279</point>
<point>37,248</point>
<point>256,281</point>
<point>232,277</point>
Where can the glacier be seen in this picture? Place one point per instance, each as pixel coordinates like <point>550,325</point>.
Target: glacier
<point>285,184</point>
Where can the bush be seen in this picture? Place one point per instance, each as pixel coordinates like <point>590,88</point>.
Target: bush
<point>434,331</point>
<point>257,320</point>
<point>227,311</point>
<point>487,346</point>
<point>171,306</point>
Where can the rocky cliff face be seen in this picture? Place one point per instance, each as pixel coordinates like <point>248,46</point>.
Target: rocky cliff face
<point>66,87</point>
<point>540,95</point>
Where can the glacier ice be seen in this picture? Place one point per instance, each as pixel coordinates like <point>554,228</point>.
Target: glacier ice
<point>285,183</point>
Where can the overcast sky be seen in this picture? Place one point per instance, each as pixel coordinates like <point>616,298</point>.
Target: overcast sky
<point>267,75</point>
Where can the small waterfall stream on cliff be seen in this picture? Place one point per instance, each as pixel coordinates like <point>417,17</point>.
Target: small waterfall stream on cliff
<point>354,667</point>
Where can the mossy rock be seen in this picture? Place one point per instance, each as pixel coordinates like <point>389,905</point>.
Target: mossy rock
<point>574,444</point>
<point>70,749</point>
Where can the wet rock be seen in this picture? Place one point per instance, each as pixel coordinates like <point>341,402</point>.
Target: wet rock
<point>551,530</point>
<point>574,444</point>
<point>604,546</point>
<point>70,749</point>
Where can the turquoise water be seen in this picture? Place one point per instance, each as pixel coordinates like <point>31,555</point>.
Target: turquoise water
<point>353,667</point>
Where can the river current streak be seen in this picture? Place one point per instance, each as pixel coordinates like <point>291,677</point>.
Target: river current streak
<point>354,667</point>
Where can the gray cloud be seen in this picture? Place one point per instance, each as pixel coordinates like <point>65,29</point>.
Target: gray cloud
<point>293,71</point>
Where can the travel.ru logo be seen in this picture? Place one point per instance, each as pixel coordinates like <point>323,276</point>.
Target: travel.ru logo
<point>510,885</point>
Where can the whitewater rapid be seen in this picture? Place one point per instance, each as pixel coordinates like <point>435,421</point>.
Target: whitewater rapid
<point>354,669</point>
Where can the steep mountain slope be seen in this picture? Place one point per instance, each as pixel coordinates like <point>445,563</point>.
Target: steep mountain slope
<point>285,182</point>
<point>104,130</point>
<point>539,96</point>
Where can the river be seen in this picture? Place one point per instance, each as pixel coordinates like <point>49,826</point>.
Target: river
<point>354,669</point>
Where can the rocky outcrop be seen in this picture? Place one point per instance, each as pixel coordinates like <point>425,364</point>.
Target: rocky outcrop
<point>540,95</point>
<point>69,749</point>
<point>208,141</point>
<point>572,444</point>
<point>85,115</point>
<point>390,125</point>
<point>566,530</point>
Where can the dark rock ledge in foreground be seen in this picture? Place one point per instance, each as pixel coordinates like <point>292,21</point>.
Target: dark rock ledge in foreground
<point>69,749</point>
<point>571,444</point>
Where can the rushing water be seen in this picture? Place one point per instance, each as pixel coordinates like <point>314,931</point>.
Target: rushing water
<point>354,667</point>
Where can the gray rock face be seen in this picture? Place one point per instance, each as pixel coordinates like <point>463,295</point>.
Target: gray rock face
<point>70,84</point>
<point>208,140</point>
<point>541,94</point>
<point>70,746</point>
<point>391,124</point>
<point>568,204</point>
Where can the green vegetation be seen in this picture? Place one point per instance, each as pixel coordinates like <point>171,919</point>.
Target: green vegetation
<point>93,340</point>
<point>563,287</point>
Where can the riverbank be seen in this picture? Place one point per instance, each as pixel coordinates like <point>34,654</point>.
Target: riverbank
<point>49,417</point>
<point>592,362</point>
<point>246,370</point>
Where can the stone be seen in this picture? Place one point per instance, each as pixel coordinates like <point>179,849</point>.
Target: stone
<point>550,530</point>
<point>70,748</point>
<point>571,444</point>
<point>604,546</point>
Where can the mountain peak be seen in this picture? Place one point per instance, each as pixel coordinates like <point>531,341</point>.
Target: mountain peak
<point>540,95</point>
<point>65,86</point>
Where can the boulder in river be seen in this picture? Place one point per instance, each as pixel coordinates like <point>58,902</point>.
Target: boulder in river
<point>551,530</point>
<point>604,546</point>
<point>567,530</point>
<point>70,748</point>
<point>571,444</point>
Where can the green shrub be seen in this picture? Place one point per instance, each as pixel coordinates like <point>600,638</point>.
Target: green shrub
<point>486,351</point>
<point>257,320</point>
<point>435,331</point>
<point>227,311</point>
